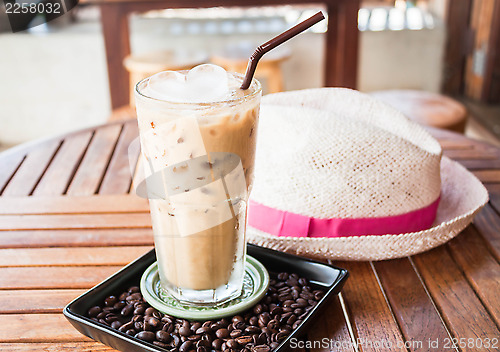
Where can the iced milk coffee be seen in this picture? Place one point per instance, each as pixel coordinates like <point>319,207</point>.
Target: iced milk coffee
<point>198,139</point>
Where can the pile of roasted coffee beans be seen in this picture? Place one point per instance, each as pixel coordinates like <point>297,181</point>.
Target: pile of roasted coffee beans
<point>288,301</point>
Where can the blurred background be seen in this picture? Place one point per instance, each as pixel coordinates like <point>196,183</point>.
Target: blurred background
<point>54,76</point>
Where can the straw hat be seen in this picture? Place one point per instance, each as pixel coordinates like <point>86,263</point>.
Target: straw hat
<point>341,175</point>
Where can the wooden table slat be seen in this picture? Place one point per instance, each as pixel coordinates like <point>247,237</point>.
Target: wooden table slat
<point>405,292</point>
<point>76,238</point>
<point>470,154</point>
<point>8,168</point>
<point>494,193</point>
<point>93,204</point>
<point>478,164</point>
<point>457,302</point>
<point>38,328</point>
<point>29,257</point>
<point>60,172</point>
<point>47,301</point>
<point>75,221</point>
<point>367,306</point>
<point>480,267</point>
<point>118,177</point>
<point>57,277</point>
<point>31,170</point>
<point>487,176</point>
<point>487,222</point>
<point>95,162</point>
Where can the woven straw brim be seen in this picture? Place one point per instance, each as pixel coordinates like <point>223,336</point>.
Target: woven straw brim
<point>462,196</point>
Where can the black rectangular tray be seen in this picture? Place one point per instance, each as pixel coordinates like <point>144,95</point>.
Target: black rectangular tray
<point>320,275</point>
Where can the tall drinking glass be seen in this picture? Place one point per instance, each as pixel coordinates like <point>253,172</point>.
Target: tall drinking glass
<point>198,160</point>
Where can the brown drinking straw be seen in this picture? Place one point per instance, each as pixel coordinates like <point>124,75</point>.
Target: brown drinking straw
<point>273,43</point>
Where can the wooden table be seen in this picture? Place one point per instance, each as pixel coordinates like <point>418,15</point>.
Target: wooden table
<point>341,51</point>
<point>67,222</point>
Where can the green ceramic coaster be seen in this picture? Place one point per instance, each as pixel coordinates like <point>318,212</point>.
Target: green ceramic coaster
<point>255,284</point>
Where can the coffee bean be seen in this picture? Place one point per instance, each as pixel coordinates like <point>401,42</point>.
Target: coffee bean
<point>146,336</point>
<point>306,295</point>
<point>130,332</point>
<point>186,346</point>
<point>279,285</point>
<point>291,319</point>
<point>204,330</point>
<point>283,276</point>
<point>318,295</point>
<point>111,318</point>
<point>176,341</point>
<point>138,325</point>
<point>160,344</point>
<point>134,297</point>
<point>243,340</point>
<point>185,331</point>
<point>163,336</point>
<point>222,333</point>
<point>264,319</point>
<point>238,318</point>
<point>94,311</point>
<point>262,339</point>
<point>116,324</point>
<point>239,325</point>
<point>119,305</point>
<point>253,321</point>
<point>235,333</point>
<point>195,326</point>
<point>167,319</point>
<point>126,326</point>
<point>154,322</point>
<point>252,330</point>
<point>201,349</point>
<point>257,309</point>
<point>110,301</point>
<point>231,343</point>
<point>134,289</point>
<point>194,337</point>
<point>261,348</point>
<point>123,296</point>
<point>127,310</point>
<point>273,324</point>
<point>296,324</point>
<point>204,343</point>
<point>281,336</point>
<point>274,345</point>
<point>139,310</point>
<point>216,344</point>
<point>149,311</point>
<point>284,290</point>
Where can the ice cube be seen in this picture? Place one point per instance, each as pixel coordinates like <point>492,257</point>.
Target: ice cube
<point>203,84</point>
<point>169,86</point>
<point>208,83</point>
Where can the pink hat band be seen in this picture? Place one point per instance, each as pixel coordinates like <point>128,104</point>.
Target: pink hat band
<point>283,223</point>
